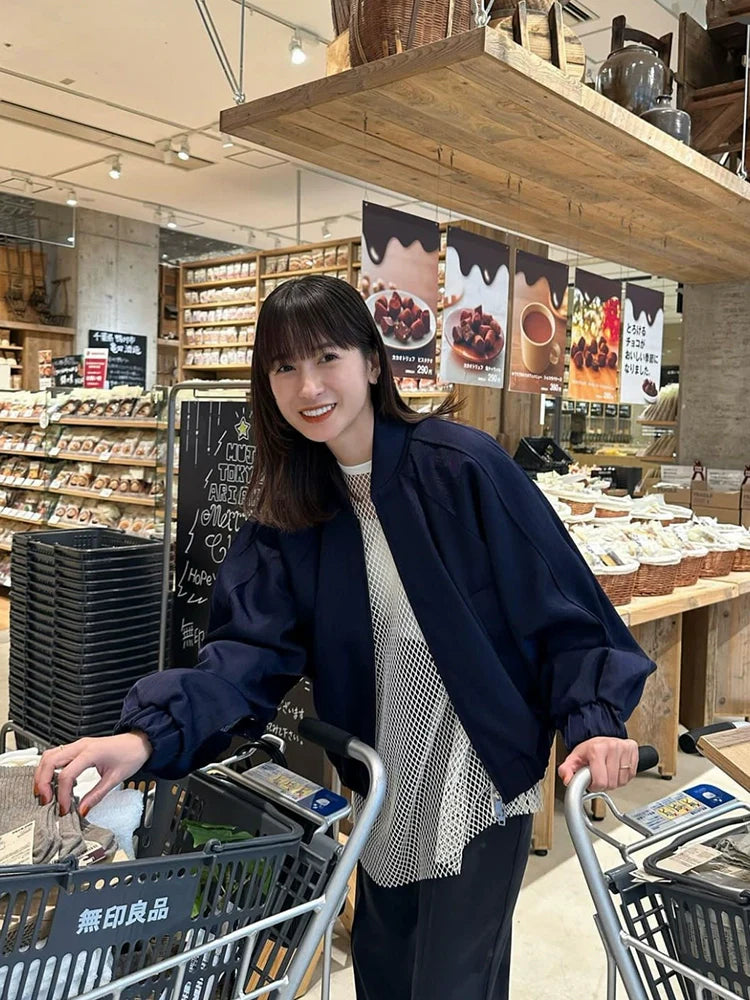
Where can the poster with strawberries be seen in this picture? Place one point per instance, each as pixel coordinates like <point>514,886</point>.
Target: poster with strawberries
<point>399,282</point>
<point>595,338</point>
<point>475,313</point>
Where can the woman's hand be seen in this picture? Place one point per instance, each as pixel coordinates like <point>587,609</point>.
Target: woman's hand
<point>114,757</point>
<point>612,762</point>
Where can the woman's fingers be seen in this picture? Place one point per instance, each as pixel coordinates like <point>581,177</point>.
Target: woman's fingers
<point>50,762</point>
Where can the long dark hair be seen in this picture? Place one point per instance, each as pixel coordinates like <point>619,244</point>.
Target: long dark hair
<point>296,483</point>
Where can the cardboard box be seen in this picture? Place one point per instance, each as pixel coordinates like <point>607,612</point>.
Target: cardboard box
<point>724,505</point>
<point>681,496</point>
<point>745,498</point>
<point>721,514</point>
<point>746,518</point>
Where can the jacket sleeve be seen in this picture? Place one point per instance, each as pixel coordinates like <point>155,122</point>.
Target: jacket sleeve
<point>590,670</point>
<point>252,656</point>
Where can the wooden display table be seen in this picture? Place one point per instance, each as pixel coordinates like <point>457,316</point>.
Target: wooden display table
<point>699,638</point>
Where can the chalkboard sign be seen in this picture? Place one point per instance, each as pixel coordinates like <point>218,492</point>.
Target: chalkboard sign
<point>610,409</point>
<point>216,456</point>
<point>68,371</point>
<point>596,409</point>
<point>127,356</point>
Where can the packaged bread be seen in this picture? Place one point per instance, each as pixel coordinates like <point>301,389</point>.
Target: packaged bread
<point>144,408</point>
<point>125,448</point>
<point>89,442</point>
<point>146,447</point>
<point>105,444</point>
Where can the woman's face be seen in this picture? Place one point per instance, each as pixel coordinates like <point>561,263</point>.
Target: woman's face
<point>327,399</point>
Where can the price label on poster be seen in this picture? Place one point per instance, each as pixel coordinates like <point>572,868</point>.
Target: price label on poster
<point>399,280</point>
<point>475,309</point>
<point>642,335</point>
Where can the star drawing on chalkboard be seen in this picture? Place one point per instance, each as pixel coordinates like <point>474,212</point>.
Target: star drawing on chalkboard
<point>242,428</point>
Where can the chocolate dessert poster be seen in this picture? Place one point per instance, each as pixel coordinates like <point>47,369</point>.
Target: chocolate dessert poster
<point>538,326</point>
<point>642,335</point>
<point>475,310</point>
<point>595,338</point>
<point>399,282</point>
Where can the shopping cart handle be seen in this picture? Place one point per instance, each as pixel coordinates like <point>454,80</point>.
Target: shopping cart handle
<point>331,738</point>
<point>648,757</point>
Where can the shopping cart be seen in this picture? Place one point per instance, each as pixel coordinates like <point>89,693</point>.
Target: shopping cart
<point>232,920</point>
<point>676,939</point>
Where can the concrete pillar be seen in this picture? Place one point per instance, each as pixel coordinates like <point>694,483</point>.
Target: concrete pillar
<point>117,277</point>
<point>714,385</point>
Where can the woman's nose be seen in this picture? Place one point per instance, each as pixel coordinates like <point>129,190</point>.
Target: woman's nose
<point>310,387</point>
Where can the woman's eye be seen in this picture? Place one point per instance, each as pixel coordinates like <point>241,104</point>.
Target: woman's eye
<point>282,369</point>
<point>330,357</point>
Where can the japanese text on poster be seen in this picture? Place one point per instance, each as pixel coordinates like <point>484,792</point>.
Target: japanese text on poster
<point>642,334</point>
<point>127,356</point>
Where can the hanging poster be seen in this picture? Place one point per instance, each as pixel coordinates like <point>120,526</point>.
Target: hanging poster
<point>127,356</point>
<point>642,334</point>
<point>400,284</point>
<point>595,338</point>
<point>475,312</point>
<point>538,327</point>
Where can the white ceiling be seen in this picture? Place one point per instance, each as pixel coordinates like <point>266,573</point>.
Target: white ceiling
<point>146,71</point>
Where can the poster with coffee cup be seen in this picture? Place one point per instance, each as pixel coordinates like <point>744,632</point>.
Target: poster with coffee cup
<point>642,335</point>
<point>595,338</point>
<point>475,309</point>
<point>399,283</point>
<point>538,328</point>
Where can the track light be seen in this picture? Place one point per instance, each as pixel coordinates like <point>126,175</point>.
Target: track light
<point>227,141</point>
<point>296,52</point>
<point>71,199</point>
<point>28,186</point>
<point>277,242</point>
<point>171,223</point>
<point>326,231</point>
<point>115,170</point>
<point>251,236</point>
<point>183,151</point>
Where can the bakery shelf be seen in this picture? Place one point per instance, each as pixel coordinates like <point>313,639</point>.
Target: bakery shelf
<point>220,283</point>
<point>222,322</point>
<point>19,420</point>
<point>217,368</point>
<point>105,423</point>
<point>23,454</point>
<point>301,272</point>
<point>5,547</point>
<point>114,497</point>
<point>216,345</point>
<point>15,486</point>
<point>87,456</point>
<point>218,305</point>
<point>14,324</point>
<point>595,178</point>
<point>10,347</point>
<point>27,519</point>
<point>164,342</point>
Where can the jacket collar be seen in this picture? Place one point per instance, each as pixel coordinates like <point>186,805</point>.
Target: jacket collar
<point>389,449</point>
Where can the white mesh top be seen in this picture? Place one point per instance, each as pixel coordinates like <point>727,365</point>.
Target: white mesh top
<point>439,795</point>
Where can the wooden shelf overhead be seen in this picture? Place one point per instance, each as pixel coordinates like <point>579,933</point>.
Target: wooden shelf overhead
<point>483,127</point>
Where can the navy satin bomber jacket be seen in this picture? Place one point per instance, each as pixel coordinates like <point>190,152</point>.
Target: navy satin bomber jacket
<point>523,637</point>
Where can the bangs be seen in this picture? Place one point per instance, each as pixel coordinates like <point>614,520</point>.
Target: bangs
<point>301,316</point>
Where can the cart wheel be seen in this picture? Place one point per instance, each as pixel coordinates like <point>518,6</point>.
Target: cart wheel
<point>541,853</point>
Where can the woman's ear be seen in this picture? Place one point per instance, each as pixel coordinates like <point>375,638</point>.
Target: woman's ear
<point>373,369</point>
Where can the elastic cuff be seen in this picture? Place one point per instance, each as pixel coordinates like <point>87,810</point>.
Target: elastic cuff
<point>595,719</point>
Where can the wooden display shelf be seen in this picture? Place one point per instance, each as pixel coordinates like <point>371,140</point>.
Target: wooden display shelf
<point>220,282</point>
<point>105,423</point>
<point>114,497</point>
<point>651,460</point>
<point>23,454</point>
<point>163,342</point>
<point>200,347</point>
<point>551,157</point>
<point>438,394</point>
<point>657,423</point>
<point>5,547</point>
<point>10,347</point>
<point>26,520</point>
<point>15,324</point>
<point>218,305</point>
<point>19,420</point>
<point>222,322</point>
<point>87,456</point>
<point>301,272</point>
<point>217,368</point>
<point>34,489</point>
<point>705,592</point>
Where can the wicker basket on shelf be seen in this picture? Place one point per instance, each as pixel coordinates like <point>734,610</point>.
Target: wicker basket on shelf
<point>718,562</point>
<point>657,577</point>
<point>690,569</point>
<point>379,28</point>
<point>741,562</point>
<point>618,582</point>
<point>340,14</point>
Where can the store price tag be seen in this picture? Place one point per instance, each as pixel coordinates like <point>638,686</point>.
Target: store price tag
<point>105,456</point>
<point>36,516</point>
<point>54,451</point>
<point>105,492</point>
<point>17,846</point>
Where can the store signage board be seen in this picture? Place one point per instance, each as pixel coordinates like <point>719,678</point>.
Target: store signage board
<point>677,475</point>
<point>68,371</point>
<point>127,356</point>
<point>475,310</point>
<point>95,362</point>
<point>400,254</point>
<point>595,338</point>
<point>642,335</point>
<point>538,325</point>
<point>216,444</point>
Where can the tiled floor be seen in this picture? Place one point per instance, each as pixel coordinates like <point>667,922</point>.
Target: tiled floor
<point>557,952</point>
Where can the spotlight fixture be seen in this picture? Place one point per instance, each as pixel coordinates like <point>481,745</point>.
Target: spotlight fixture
<point>28,186</point>
<point>227,141</point>
<point>163,256</point>
<point>296,52</point>
<point>115,170</point>
<point>71,199</point>
<point>183,150</point>
<point>326,231</point>
<point>251,236</point>
<point>277,242</point>
<point>171,223</point>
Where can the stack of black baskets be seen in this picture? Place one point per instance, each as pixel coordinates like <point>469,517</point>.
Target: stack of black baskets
<point>84,626</point>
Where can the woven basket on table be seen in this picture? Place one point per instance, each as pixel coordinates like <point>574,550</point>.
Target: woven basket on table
<point>379,28</point>
<point>656,579</point>
<point>579,506</point>
<point>718,562</point>
<point>741,562</point>
<point>690,569</point>
<point>603,512</point>
<point>618,582</point>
